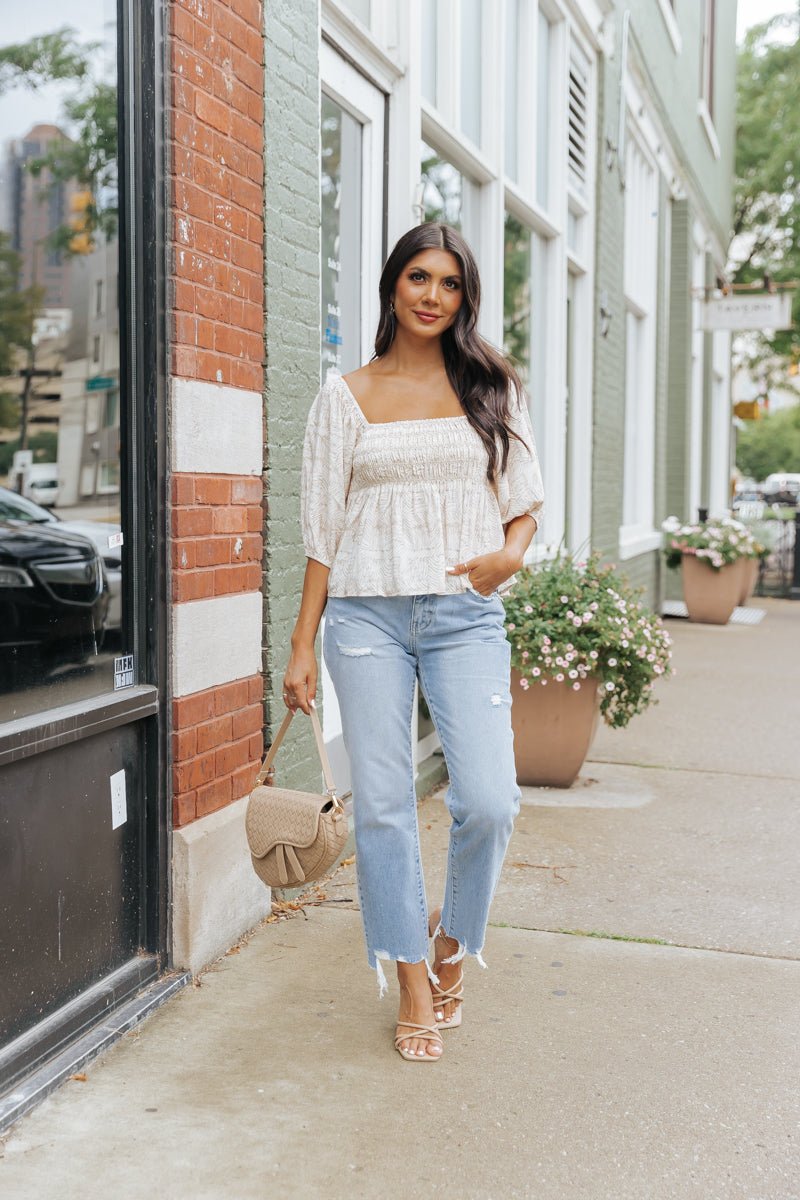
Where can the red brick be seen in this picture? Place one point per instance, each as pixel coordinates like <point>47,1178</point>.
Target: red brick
<point>192,710</point>
<point>255,519</point>
<point>243,781</point>
<point>230,758</point>
<point>248,71</point>
<point>184,554</point>
<point>211,241</point>
<point>237,578</point>
<point>233,29</point>
<point>184,744</point>
<point>214,734</point>
<point>182,25</point>
<point>245,254</point>
<point>184,809</point>
<point>213,797</point>
<point>184,362</point>
<point>184,296</point>
<point>212,489</point>
<point>213,551</point>
<point>191,522</point>
<point>256,745</point>
<point>244,130</point>
<point>232,696</point>
<point>247,490</point>
<point>212,304</point>
<point>213,368</point>
<point>256,686</point>
<point>194,773</point>
<point>247,720</point>
<point>192,585</point>
<point>182,489</point>
<point>230,520</point>
<point>249,11</point>
<point>212,112</point>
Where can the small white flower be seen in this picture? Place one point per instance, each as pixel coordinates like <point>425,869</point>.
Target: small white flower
<point>610,686</point>
<point>612,662</point>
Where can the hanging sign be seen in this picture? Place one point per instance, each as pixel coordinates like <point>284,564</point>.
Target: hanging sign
<point>770,310</point>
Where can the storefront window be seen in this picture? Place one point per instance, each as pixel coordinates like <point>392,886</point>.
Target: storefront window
<point>341,237</point>
<point>525,311</point>
<point>443,189</point>
<point>61,558</point>
<point>471,58</point>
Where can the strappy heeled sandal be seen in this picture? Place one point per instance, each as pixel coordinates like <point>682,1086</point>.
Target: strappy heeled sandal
<point>441,996</point>
<point>425,1033</point>
<point>444,995</point>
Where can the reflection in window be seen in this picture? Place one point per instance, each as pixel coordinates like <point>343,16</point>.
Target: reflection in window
<point>341,238</point>
<point>471,58</point>
<point>443,189</point>
<point>60,386</point>
<point>524,311</point>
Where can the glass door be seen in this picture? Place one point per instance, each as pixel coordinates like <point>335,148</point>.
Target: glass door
<point>353,220</point>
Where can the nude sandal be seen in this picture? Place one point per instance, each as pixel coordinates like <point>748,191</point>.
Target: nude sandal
<point>442,995</point>
<point>425,1033</point>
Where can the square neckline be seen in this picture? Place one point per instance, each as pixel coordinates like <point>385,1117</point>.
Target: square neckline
<point>401,420</point>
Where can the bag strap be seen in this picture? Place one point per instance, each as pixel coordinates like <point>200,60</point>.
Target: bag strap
<point>330,786</point>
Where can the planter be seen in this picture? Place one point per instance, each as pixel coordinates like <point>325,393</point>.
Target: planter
<point>711,595</point>
<point>751,566</point>
<point>553,730</point>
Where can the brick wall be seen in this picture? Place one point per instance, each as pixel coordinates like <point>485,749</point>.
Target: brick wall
<point>216,327</point>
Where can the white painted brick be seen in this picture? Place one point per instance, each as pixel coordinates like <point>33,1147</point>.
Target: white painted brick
<point>215,429</point>
<point>215,641</point>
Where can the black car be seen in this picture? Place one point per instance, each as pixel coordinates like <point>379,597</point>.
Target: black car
<point>53,600</point>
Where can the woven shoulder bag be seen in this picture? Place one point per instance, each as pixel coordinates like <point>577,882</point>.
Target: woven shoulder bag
<point>294,837</point>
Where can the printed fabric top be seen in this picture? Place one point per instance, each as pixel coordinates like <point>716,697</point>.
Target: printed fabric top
<point>389,506</point>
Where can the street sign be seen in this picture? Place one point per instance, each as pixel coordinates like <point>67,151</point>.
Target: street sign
<point>100,383</point>
<point>769,310</point>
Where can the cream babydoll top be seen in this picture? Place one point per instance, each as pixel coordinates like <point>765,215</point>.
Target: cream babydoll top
<point>389,506</point>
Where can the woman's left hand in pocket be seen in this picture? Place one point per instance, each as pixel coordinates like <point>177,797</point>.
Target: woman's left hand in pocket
<point>486,571</point>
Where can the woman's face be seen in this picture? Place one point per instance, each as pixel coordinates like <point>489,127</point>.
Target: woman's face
<point>428,293</point>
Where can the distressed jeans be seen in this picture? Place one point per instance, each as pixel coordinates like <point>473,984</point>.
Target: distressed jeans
<point>375,647</point>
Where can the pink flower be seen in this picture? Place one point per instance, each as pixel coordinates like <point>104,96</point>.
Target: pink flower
<point>576,687</point>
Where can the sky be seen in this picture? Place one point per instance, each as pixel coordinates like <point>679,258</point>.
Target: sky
<point>753,12</point>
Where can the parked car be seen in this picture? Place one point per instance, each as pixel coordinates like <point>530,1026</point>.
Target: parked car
<point>782,488</point>
<point>53,600</point>
<point>14,507</point>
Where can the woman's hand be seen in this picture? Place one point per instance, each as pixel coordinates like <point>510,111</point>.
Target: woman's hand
<point>300,680</point>
<point>487,571</point>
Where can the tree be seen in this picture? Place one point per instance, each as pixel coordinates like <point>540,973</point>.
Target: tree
<point>767,178</point>
<point>770,445</point>
<point>90,157</point>
<point>18,309</point>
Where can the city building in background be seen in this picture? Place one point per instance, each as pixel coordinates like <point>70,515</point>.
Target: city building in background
<point>203,278</point>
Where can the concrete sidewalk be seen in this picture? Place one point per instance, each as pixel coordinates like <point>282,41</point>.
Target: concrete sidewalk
<point>636,1036</point>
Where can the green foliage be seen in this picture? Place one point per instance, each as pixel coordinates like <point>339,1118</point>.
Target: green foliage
<point>43,59</point>
<point>767,174</point>
<point>17,308</point>
<point>717,543</point>
<point>770,445</point>
<point>44,447</point>
<point>90,157</point>
<point>580,623</point>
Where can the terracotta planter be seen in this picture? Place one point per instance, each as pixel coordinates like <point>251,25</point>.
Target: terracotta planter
<point>750,579</point>
<point>553,730</point>
<point>711,596</point>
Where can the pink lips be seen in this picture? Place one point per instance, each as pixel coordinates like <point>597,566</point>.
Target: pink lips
<point>428,318</point>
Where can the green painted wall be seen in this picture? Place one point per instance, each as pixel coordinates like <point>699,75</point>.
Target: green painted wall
<point>292,345</point>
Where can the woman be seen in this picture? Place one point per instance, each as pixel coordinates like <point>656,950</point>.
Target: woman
<point>420,493</point>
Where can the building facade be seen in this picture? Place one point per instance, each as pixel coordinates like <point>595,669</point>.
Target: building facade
<point>268,155</point>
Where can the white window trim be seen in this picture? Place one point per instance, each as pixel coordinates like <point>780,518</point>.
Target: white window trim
<point>632,542</point>
<point>707,121</point>
<point>671,24</point>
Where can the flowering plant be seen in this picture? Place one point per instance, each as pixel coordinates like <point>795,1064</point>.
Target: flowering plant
<point>717,543</point>
<point>579,621</point>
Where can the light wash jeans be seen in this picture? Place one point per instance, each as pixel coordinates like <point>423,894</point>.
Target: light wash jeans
<point>374,647</point>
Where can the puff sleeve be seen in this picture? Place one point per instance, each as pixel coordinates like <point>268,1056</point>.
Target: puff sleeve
<point>325,473</point>
<point>519,489</point>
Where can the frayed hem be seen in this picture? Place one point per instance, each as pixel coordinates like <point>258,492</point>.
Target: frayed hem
<point>383,986</point>
<point>462,949</point>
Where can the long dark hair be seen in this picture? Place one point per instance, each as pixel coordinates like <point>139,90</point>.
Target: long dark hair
<point>480,375</point>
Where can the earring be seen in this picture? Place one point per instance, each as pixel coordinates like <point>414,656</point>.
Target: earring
<point>391,307</point>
